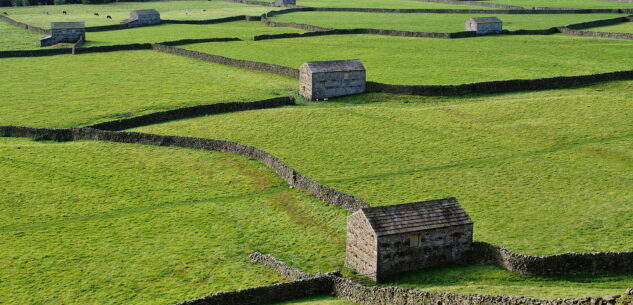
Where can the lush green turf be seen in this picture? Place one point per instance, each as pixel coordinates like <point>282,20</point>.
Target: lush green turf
<point>626,27</point>
<point>317,301</point>
<point>74,90</point>
<point>105,223</point>
<point>382,4</point>
<point>483,279</point>
<point>121,10</point>
<point>431,22</point>
<point>565,3</point>
<point>541,173</point>
<point>15,38</point>
<point>400,60</point>
<point>167,32</point>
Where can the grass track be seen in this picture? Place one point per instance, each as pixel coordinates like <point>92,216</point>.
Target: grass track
<point>67,90</point>
<point>416,61</point>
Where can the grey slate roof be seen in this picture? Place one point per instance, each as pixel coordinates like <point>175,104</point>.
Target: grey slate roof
<point>145,12</point>
<point>486,20</point>
<point>417,216</point>
<point>335,66</point>
<point>67,25</point>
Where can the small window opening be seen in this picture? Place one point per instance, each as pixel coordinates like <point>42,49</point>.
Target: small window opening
<point>414,240</point>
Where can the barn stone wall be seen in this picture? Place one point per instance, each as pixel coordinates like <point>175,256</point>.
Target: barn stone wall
<point>63,36</point>
<point>437,247</point>
<point>484,28</point>
<point>360,252</point>
<point>144,20</point>
<point>319,86</point>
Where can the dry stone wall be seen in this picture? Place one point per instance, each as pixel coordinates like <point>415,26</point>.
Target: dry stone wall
<point>597,34</point>
<point>476,3</point>
<point>280,267</point>
<point>24,25</point>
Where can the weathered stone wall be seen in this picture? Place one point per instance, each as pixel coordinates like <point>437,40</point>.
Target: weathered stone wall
<point>437,247</point>
<point>303,288</point>
<point>484,28</point>
<point>25,26</point>
<point>190,112</point>
<point>319,86</point>
<point>609,35</point>
<point>361,245</point>
<point>280,267</point>
<point>144,20</point>
<point>568,263</point>
<point>63,36</point>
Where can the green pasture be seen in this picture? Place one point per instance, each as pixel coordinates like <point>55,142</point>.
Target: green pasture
<point>406,4</point>
<point>626,27</point>
<point>424,61</point>
<point>167,32</point>
<point>432,22</point>
<point>121,10</point>
<point>593,4</point>
<point>15,38</point>
<point>539,172</point>
<point>77,90</point>
<point>104,223</point>
<point>324,300</point>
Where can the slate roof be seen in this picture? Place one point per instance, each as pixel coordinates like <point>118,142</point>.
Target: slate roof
<point>144,12</point>
<point>417,216</point>
<point>486,20</point>
<point>68,25</point>
<point>335,66</point>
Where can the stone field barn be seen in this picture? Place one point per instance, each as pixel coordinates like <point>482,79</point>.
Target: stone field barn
<point>142,18</point>
<point>66,32</point>
<point>326,79</point>
<point>484,25</point>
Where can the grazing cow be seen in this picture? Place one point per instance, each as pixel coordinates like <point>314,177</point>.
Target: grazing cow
<point>109,17</point>
<point>203,10</point>
<point>65,12</point>
<point>5,13</point>
<point>45,12</point>
<point>186,13</point>
<point>96,14</point>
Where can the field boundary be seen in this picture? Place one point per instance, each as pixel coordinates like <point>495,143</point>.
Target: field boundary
<point>609,35</point>
<point>476,3</point>
<point>283,170</point>
<point>192,112</point>
<point>24,25</point>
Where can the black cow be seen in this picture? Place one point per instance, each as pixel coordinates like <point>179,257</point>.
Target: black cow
<point>109,17</point>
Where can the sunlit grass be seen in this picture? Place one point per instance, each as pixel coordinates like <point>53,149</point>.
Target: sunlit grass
<point>15,38</point>
<point>626,27</point>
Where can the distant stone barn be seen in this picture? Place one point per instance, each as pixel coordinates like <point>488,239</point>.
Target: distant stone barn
<point>142,18</point>
<point>484,25</point>
<point>285,2</point>
<point>325,79</point>
<point>66,32</point>
<point>385,241</point>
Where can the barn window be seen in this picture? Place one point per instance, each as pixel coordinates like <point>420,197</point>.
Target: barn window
<point>414,240</point>
<point>346,75</point>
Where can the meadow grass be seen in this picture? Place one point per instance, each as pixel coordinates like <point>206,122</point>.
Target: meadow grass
<point>431,22</point>
<point>417,61</point>
<point>78,90</point>
<point>555,164</point>
<point>528,4</point>
<point>167,32</point>
<point>626,27</point>
<point>406,4</point>
<point>15,38</point>
<point>104,223</point>
<point>121,10</point>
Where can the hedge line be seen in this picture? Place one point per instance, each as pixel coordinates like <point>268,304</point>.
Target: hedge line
<point>243,64</point>
<point>287,173</point>
<point>190,112</point>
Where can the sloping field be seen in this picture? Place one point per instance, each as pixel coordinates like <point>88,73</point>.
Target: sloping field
<point>121,10</point>
<point>524,166</point>
<point>67,90</point>
<point>417,61</point>
<point>15,38</point>
<point>432,22</point>
<point>103,223</point>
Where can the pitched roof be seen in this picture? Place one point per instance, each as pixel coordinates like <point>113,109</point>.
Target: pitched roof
<point>145,12</point>
<point>486,20</point>
<point>68,25</point>
<point>335,66</point>
<point>417,216</point>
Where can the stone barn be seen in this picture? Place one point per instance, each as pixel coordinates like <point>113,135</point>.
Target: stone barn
<point>67,32</point>
<point>142,17</point>
<point>285,2</point>
<point>384,241</point>
<point>484,25</point>
<point>325,79</point>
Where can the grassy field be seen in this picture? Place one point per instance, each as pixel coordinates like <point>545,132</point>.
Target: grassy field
<point>626,27</point>
<point>400,60</point>
<point>317,301</point>
<point>565,3</point>
<point>383,4</point>
<point>431,22</point>
<point>525,165</point>
<point>121,10</point>
<point>105,223</point>
<point>15,38</point>
<point>67,90</point>
<point>167,32</point>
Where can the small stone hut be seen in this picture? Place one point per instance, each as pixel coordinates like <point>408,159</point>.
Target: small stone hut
<point>326,79</point>
<point>68,32</point>
<point>384,241</point>
<point>484,25</point>
<point>142,18</point>
<point>285,2</point>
